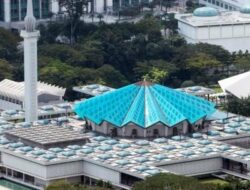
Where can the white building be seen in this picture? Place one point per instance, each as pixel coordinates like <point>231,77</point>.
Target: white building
<point>230,30</point>
<point>12,94</point>
<point>12,12</point>
<point>237,85</point>
<point>224,4</point>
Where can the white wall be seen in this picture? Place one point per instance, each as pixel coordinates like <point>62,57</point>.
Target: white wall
<point>231,37</point>
<point>101,172</point>
<point>7,10</point>
<point>24,166</point>
<point>5,105</point>
<point>195,167</point>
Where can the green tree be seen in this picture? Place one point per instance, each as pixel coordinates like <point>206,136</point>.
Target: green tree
<point>111,76</point>
<point>60,185</point>
<point>8,44</point>
<point>171,182</point>
<point>156,75</point>
<point>202,61</point>
<point>74,10</point>
<point>242,63</point>
<point>5,70</point>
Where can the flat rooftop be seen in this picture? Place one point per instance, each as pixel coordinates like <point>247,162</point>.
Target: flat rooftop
<point>224,18</point>
<point>93,89</point>
<point>197,90</point>
<point>46,136</point>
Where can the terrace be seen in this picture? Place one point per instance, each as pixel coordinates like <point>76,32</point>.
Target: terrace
<point>139,157</point>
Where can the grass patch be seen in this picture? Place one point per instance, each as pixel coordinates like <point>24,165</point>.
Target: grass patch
<point>214,181</point>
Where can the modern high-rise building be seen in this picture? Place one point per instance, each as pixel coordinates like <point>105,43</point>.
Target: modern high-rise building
<point>12,12</point>
<point>230,5</point>
<point>102,6</point>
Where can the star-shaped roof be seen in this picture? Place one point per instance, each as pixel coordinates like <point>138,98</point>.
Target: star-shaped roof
<point>144,104</point>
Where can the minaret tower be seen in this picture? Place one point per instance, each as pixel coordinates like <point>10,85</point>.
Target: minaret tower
<point>30,36</point>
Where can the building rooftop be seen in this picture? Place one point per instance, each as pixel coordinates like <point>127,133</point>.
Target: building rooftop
<point>43,111</point>
<point>144,104</point>
<point>237,85</point>
<point>46,136</point>
<point>138,157</point>
<point>93,89</point>
<point>197,90</point>
<point>223,18</point>
<point>15,90</point>
<point>205,12</point>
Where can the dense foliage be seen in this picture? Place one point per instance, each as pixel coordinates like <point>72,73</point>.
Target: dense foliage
<point>119,54</point>
<point>176,182</point>
<point>238,106</point>
<point>63,185</point>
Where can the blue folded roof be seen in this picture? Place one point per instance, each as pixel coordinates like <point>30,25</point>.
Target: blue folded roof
<point>144,104</point>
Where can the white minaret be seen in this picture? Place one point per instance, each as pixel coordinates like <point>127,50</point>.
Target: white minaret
<point>30,35</point>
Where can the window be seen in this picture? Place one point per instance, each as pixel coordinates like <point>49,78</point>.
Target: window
<point>1,10</point>
<point>213,1</point>
<point>135,2</point>
<point>221,4</point>
<point>14,10</point>
<point>134,132</point>
<point>217,3</point>
<point>226,6</point>
<point>156,132</point>
<point>125,3</point>
<point>45,8</point>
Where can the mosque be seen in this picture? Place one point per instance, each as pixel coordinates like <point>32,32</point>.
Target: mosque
<point>144,109</point>
<point>229,29</point>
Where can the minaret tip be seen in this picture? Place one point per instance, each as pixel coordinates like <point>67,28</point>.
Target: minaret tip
<point>30,20</point>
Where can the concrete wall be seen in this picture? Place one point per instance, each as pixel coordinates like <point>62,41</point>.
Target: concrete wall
<point>231,37</point>
<point>197,167</point>
<point>101,172</point>
<point>24,166</point>
<point>126,131</point>
<point>65,169</point>
<point>235,6</point>
<point>6,105</point>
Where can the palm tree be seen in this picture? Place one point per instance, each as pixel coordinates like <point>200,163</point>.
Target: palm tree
<point>100,16</point>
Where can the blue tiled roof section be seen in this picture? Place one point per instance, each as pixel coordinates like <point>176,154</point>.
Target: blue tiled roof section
<point>144,104</point>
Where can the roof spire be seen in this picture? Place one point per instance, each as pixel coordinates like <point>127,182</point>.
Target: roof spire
<point>30,21</point>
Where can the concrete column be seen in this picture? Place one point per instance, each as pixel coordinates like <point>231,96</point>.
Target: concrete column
<point>145,133</point>
<point>30,75</point>
<point>20,11</point>
<point>93,126</point>
<point>124,131</point>
<point>120,3</point>
<point>40,9</point>
<point>166,131</point>
<point>90,181</point>
<point>7,16</point>
<point>184,128</point>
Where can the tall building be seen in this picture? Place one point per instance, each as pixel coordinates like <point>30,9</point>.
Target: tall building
<point>30,35</point>
<point>225,4</point>
<point>13,11</point>
<point>229,29</point>
<point>102,6</point>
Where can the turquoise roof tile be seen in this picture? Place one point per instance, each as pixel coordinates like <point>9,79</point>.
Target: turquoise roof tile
<point>144,104</point>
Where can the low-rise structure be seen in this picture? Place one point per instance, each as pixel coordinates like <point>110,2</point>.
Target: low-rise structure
<point>228,5</point>
<point>231,30</point>
<point>237,85</point>
<point>12,94</point>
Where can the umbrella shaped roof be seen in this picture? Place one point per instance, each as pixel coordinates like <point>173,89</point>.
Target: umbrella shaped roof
<point>144,104</point>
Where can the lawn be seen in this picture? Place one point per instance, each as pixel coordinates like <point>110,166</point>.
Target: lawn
<point>214,181</point>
